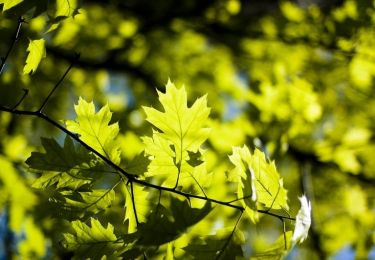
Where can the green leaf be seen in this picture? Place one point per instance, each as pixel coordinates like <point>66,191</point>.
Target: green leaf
<point>20,7</point>
<point>259,183</point>
<point>163,225</point>
<point>93,201</point>
<point>69,166</point>
<point>94,129</point>
<point>65,8</point>
<point>94,242</point>
<point>9,3</point>
<point>162,156</point>
<point>138,165</point>
<point>37,51</point>
<point>222,245</point>
<point>278,250</point>
<point>141,204</point>
<point>179,124</point>
<point>174,151</point>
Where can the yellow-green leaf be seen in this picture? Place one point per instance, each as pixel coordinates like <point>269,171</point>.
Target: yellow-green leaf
<point>174,147</point>
<point>95,129</point>
<point>141,205</point>
<point>259,183</point>
<point>183,126</point>
<point>9,3</point>
<point>93,242</point>
<point>37,51</point>
<point>65,8</point>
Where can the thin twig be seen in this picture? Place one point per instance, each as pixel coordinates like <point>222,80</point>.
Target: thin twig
<point>275,215</point>
<point>230,237</point>
<point>25,92</point>
<point>58,83</point>
<point>15,39</point>
<point>133,202</point>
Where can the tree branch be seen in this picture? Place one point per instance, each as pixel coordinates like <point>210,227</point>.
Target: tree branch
<point>58,83</point>
<point>130,177</point>
<point>15,39</point>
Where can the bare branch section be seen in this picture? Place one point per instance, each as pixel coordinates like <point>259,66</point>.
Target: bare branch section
<point>14,40</point>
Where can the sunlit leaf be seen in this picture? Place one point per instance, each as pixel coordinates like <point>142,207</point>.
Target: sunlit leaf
<point>9,3</point>
<point>93,241</point>
<point>222,245</point>
<point>95,129</point>
<point>36,51</point>
<point>174,152</point>
<point>162,156</point>
<point>65,8</point>
<point>141,206</point>
<point>183,126</point>
<point>93,201</point>
<point>259,183</point>
<point>278,250</point>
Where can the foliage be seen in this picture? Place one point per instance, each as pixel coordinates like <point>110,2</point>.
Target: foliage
<point>188,175</point>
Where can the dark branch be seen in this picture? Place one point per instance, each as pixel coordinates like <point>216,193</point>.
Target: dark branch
<point>25,92</point>
<point>229,238</point>
<point>58,83</point>
<point>14,40</point>
<point>130,177</point>
<point>133,203</point>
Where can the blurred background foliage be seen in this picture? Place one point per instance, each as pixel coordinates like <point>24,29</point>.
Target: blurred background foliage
<point>295,78</point>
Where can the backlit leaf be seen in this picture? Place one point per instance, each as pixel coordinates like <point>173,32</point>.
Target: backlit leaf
<point>95,129</point>
<point>141,206</point>
<point>259,183</point>
<point>93,241</point>
<point>222,245</point>
<point>9,3</point>
<point>37,51</point>
<point>65,8</point>
<point>183,126</point>
<point>174,148</point>
<point>93,201</point>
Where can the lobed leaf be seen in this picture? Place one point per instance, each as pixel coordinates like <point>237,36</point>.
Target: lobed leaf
<point>163,225</point>
<point>173,149</point>
<point>180,124</point>
<point>94,241</point>
<point>69,166</point>
<point>93,201</point>
<point>95,129</point>
<point>141,205</point>
<point>259,183</point>
<point>222,245</point>
<point>37,51</point>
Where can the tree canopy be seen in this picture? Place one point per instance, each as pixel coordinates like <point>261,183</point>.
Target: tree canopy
<point>216,129</point>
